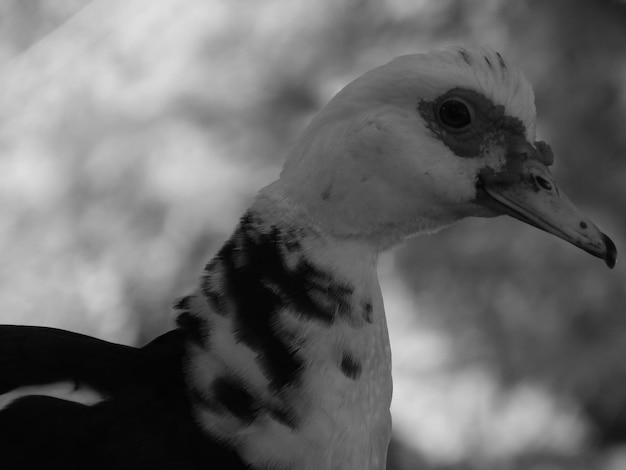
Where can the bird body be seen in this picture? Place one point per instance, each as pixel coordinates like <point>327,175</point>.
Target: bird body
<point>281,358</point>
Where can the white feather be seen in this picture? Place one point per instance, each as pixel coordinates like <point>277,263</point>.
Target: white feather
<point>65,390</point>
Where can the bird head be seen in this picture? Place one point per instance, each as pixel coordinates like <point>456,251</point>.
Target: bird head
<point>427,140</point>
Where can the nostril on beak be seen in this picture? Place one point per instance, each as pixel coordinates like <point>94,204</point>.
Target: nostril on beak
<point>544,183</point>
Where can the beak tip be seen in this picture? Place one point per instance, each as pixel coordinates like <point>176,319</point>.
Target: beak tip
<point>610,256</point>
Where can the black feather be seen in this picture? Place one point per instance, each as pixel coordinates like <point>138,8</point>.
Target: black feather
<point>146,421</point>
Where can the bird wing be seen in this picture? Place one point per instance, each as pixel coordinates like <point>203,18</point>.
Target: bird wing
<point>143,422</point>
<point>33,355</point>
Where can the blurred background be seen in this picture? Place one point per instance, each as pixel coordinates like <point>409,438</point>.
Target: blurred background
<point>133,134</point>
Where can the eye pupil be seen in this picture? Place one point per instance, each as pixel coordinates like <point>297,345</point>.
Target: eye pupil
<point>455,114</point>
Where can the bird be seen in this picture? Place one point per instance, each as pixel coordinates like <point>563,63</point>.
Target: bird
<point>280,357</point>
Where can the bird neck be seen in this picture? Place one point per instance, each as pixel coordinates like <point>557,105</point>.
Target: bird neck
<point>291,363</point>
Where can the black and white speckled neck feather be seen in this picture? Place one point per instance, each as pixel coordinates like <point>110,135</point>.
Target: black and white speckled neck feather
<point>291,366</point>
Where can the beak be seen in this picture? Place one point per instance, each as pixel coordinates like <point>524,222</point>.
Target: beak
<point>525,189</point>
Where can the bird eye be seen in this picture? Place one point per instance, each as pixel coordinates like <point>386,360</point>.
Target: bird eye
<point>455,114</point>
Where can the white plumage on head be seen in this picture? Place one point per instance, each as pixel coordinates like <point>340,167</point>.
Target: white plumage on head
<point>368,164</point>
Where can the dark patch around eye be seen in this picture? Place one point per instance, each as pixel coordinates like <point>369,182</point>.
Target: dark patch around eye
<point>490,125</point>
